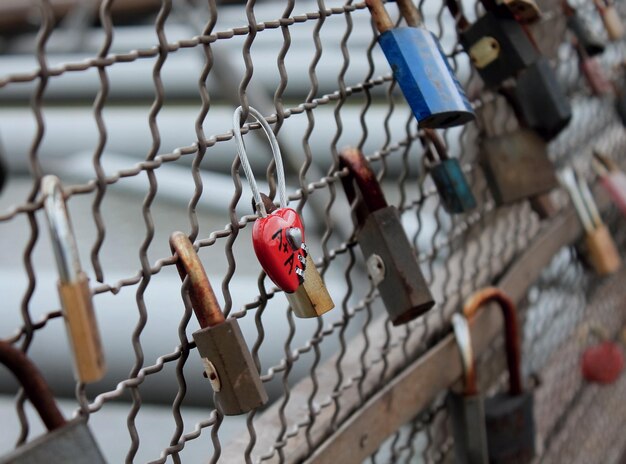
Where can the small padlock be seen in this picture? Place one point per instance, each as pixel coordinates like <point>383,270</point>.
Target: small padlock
<point>540,100</point>
<point>390,259</point>
<point>611,19</point>
<point>599,247</point>
<point>311,299</point>
<point>73,286</point>
<point>454,190</point>
<point>516,166</point>
<point>524,11</point>
<point>590,42</point>
<point>421,69</point>
<point>227,361</point>
<point>277,238</point>
<point>591,68</point>
<point>467,408</point>
<point>509,415</point>
<point>498,47</point>
<point>603,362</point>
<point>65,442</point>
<point>612,178</point>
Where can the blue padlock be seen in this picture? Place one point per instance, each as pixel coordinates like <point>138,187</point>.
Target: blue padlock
<point>421,69</point>
<point>454,191</point>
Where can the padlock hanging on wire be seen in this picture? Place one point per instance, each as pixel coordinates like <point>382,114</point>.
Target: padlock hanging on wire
<point>421,69</point>
<point>278,235</point>
<point>73,286</point>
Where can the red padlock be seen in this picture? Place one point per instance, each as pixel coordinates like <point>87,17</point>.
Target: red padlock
<point>602,363</point>
<point>278,237</point>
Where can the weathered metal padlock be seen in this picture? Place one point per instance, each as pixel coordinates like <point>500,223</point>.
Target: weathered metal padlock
<point>421,69</point>
<point>516,166</point>
<point>589,41</point>
<point>73,286</point>
<point>390,259</point>
<point>277,238</point>
<point>454,190</point>
<point>541,100</point>
<point>509,415</point>
<point>65,442</point>
<point>311,299</point>
<point>599,247</point>
<point>603,362</point>
<point>611,19</point>
<point>498,47</point>
<point>467,408</point>
<point>227,361</point>
<point>591,68</point>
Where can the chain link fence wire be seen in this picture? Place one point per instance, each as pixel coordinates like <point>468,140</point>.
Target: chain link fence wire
<point>86,93</point>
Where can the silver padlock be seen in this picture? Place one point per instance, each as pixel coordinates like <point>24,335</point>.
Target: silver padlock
<point>467,408</point>
<point>227,361</point>
<point>66,441</point>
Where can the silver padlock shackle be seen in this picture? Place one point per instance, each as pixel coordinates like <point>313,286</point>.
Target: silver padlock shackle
<point>245,164</point>
<point>61,233</point>
<point>36,388</point>
<point>461,328</point>
<point>511,330</point>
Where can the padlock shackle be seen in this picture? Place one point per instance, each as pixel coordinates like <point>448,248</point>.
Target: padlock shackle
<point>511,330</point>
<point>410,13</point>
<point>61,232</point>
<point>463,337</point>
<point>431,137</point>
<point>361,173</point>
<point>35,386</point>
<point>203,299</point>
<point>381,18</point>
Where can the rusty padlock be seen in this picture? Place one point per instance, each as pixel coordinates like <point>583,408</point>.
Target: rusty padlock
<point>509,415</point>
<point>516,166</point>
<point>73,286</point>
<point>599,247</point>
<point>390,259</point>
<point>65,442</point>
<point>467,409</point>
<point>227,361</point>
<point>311,299</point>
<point>454,190</point>
<point>603,362</point>
<point>611,19</point>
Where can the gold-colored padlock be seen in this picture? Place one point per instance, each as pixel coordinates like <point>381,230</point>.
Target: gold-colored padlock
<point>74,291</point>
<point>484,52</point>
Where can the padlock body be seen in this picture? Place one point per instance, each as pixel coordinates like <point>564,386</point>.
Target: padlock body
<point>516,166</point>
<point>82,329</point>
<point>72,443</point>
<point>241,389</point>
<point>454,190</point>
<point>602,251</point>
<point>589,41</point>
<point>403,288</point>
<point>425,77</point>
<point>467,413</point>
<point>541,100</point>
<point>510,428</point>
<point>612,23</point>
<point>516,50</point>
<point>311,299</point>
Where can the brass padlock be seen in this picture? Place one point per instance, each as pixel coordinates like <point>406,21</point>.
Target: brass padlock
<point>391,262</point>
<point>467,409</point>
<point>599,247</point>
<point>311,299</point>
<point>611,19</point>
<point>227,361</point>
<point>73,286</point>
<point>509,416</point>
<point>65,442</point>
<point>516,166</point>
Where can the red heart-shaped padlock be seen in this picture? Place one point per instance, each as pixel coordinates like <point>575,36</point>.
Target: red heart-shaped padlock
<point>278,241</point>
<point>602,363</point>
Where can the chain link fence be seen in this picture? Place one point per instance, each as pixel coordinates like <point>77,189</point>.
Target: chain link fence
<point>314,69</point>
